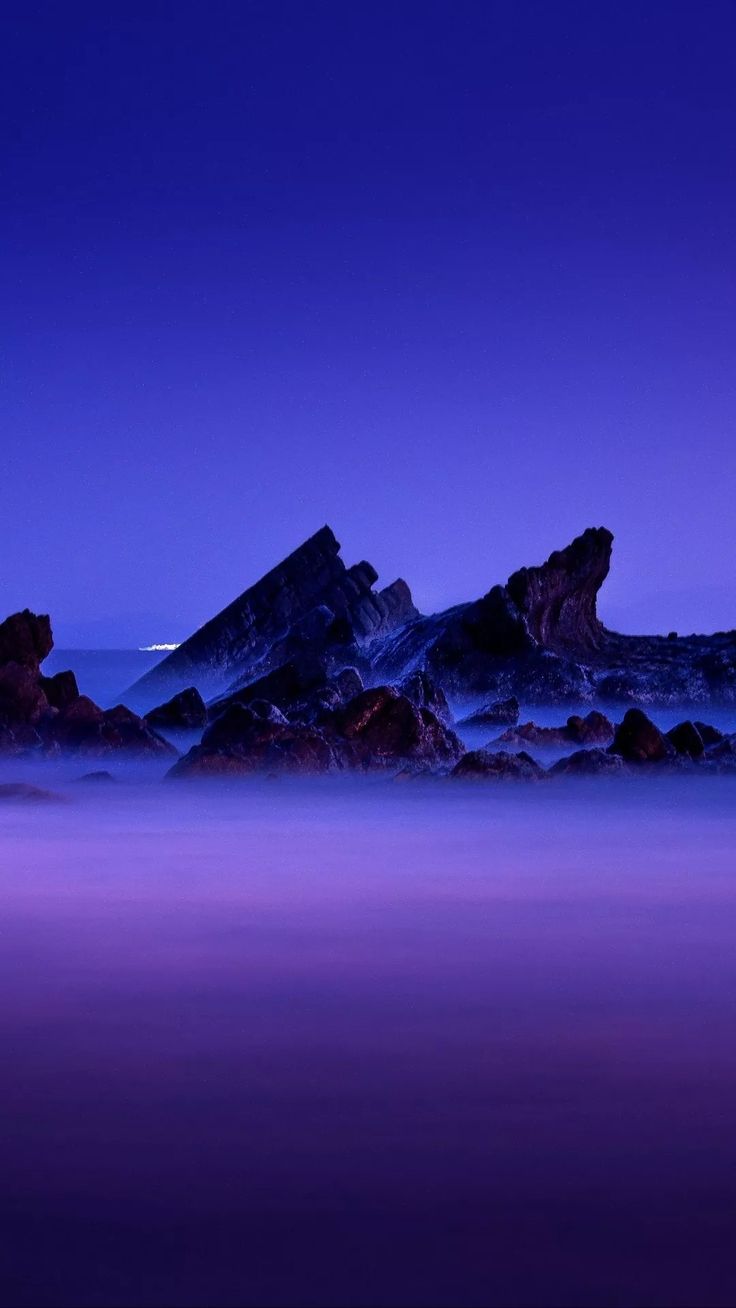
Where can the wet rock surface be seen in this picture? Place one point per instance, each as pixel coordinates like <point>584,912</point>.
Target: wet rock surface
<point>500,765</point>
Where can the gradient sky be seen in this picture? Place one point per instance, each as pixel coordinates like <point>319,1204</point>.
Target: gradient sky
<point>456,278</point>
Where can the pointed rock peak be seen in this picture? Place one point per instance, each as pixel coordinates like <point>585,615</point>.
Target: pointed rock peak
<point>558,598</point>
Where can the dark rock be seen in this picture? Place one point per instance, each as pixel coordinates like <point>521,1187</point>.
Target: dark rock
<point>708,734</point>
<point>424,691</point>
<point>387,727</point>
<point>88,729</point>
<point>485,764</point>
<point>311,600</point>
<point>61,690</point>
<point>22,790</point>
<point>686,739</point>
<point>497,713</point>
<point>637,740</point>
<point>25,638</point>
<point>183,712</point>
<point>593,729</point>
<point>100,776</point>
<point>22,699</point>
<point>588,763</point>
<point>284,685</point>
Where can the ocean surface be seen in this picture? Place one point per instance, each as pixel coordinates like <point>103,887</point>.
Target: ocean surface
<point>367,1042</point>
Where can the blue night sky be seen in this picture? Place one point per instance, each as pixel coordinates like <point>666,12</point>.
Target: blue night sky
<point>456,278</point>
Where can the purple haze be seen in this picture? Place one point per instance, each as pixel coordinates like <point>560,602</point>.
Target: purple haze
<point>457,279</point>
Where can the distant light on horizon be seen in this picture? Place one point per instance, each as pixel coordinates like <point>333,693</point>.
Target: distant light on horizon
<point>165,647</point>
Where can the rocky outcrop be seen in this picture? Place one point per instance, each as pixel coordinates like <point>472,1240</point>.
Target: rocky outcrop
<point>311,602</point>
<point>686,739</point>
<point>183,712</point>
<point>537,637</point>
<point>47,715</point>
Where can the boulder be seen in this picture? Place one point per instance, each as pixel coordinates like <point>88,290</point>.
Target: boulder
<point>593,729</point>
<point>388,727</point>
<point>686,739</point>
<point>708,734</point>
<point>185,711</point>
<point>487,765</point>
<point>637,740</point>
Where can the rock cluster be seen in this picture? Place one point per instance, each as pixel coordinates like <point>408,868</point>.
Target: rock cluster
<point>47,715</point>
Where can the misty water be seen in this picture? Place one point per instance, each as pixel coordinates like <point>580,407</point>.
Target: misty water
<point>368,1042</point>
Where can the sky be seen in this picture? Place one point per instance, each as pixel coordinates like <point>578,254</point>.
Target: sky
<point>457,279</point>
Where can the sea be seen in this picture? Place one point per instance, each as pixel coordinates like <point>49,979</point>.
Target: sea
<point>365,1042</point>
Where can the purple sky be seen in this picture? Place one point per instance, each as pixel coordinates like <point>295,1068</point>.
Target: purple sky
<point>457,279</point>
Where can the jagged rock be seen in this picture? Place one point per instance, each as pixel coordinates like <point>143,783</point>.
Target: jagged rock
<point>25,638</point>
<point>588,763</point>
<point>593,729</point>
<point>486,764</point>
<point>22,790</point>
<point>686,739</point>
<point>423,690</point>
<point>61,690</point>
<point>183,712</point>
<point>311,600</point>
<point>86,728</point>
<point>558,599</point>
<point>637,740</point>
<point>496,713</point>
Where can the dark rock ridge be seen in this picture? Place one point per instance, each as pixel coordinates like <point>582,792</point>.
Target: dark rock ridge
<point>47,715</point>
<point>310,602</point>
<point>497,713</point>
<point>593,729</point>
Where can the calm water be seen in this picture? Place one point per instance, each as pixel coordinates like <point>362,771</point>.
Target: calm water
<point>382,1044</point>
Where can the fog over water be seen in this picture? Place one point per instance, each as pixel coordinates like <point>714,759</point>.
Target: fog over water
<point>367,1042</point>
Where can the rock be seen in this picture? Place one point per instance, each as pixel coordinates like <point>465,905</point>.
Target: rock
<point>310,600</point>
<point>593,729</point>
<point>485,764</point>
<point>686,739</point>
<point>22,699</point>
<point>86,728</point>
<point>558,599</point>
<point>21,790</point>
<point>243,740</point>
<point>287,684</point>
<point>708,734</point>
<point>496,713</point>
<point>100,776</point>
<point>25,638</point>
<point>424,691</point>
<point>637,740</point>
<point>588,763</point>
<point>61,690</point>
<point>185,711</point>
<point>388,727</point>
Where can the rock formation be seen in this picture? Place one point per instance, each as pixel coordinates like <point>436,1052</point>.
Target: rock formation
<point>47,715</point>
<point>310,602</point>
